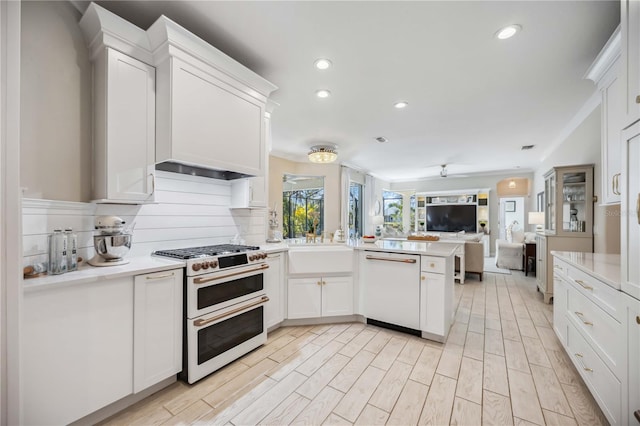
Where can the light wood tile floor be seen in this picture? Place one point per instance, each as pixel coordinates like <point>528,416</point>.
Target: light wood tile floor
<point>501,365</point>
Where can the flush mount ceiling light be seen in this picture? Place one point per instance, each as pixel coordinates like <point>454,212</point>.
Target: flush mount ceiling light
<point>508,31</point>
<point>443,172</point>
<point>323,154</point>
<point>401,104</point>
<point>323,93</point>
<point>512,184</point>
<point>322,64</point>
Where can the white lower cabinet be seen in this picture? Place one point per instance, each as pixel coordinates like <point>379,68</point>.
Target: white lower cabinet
<point>274,287</point>
<point>314,297</point>
<point>88,345</point>
<point>633,351</point>
<point>436,297</point>
<point>77,350</point>
<point>586,319</point>
<point>157,335</point>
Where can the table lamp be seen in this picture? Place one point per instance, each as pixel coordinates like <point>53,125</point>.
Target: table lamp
<point>536,218</point>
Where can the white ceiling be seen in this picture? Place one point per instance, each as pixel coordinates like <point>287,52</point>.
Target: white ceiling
<point>474,100</point>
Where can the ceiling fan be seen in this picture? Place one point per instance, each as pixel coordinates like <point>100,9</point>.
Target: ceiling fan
<point>444,172</point>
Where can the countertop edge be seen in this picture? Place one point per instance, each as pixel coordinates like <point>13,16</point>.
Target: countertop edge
<point>91,274</point>
<point>612,280</point>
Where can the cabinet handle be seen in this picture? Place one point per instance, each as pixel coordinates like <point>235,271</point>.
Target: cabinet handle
<point>582,364</point>
<point>638,208</point>
<point>153,183</point>
<point>638,99</point>
<point>618,184</point>
<point>157,277</point>
<point>638,319</point>
<point>583,285</point>
<point>423,278</point>
<point>319,283</point>
<point>391,259</point>
<point>580,314</point>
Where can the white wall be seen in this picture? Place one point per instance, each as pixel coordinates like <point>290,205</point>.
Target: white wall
<point>582,146</point>
<point>191,211</point>
<point>55,147</point>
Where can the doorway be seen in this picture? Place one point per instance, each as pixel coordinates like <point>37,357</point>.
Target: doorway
<point>511,210</point>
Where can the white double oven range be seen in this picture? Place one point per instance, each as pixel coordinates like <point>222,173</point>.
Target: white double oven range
<point>224,301</point>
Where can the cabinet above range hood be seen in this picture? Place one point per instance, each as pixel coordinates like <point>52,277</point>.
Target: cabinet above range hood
<point>210,109</point>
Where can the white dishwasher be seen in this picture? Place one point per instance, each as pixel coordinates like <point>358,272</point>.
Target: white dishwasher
<point>391,285</point>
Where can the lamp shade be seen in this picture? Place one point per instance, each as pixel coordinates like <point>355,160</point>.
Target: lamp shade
<point>536,218</point>
<point>323,154</point>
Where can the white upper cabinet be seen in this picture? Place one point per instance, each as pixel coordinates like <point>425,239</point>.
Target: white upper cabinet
<point>630,220</point>
<point>124,114</point>
<point>630,31</point>
<point>209,109</point>
<point>606,72</point>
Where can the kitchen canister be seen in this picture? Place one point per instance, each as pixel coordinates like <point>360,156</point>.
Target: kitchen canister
<point>57,253</point>
<point>72,250</point>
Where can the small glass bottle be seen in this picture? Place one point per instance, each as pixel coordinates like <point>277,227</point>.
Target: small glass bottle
<point>72,250</point>
<point>57,253</point>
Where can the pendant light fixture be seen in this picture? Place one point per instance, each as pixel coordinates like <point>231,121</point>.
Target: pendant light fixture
<point>323,154</point>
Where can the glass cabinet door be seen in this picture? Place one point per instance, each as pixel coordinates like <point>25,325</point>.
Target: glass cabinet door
<point>574,201</point>
<point>550,196</point>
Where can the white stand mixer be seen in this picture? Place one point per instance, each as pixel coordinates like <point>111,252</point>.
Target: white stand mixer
<point>112,243</point>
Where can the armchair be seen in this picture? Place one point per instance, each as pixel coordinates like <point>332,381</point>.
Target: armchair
<point>509,252</point>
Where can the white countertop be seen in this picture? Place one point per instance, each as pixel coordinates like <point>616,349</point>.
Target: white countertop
<point>428,248</point>
<point>604,267</point>
<point>87,273</point>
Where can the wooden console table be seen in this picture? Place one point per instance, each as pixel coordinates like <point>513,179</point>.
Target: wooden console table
<point>529,258</point>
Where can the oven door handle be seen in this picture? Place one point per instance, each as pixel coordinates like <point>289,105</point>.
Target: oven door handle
<point>201,322</point>
<point>220,277</point>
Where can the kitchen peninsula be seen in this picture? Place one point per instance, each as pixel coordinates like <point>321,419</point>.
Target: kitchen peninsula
<point>408,284</point>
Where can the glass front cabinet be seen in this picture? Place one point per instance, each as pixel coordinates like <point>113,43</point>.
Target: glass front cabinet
<point>569,196</point>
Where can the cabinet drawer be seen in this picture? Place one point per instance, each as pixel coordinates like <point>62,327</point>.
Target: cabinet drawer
<point>435,265</point>
<point>600,293</point>
<point>560,267</point>
<point>603,384</point>
<point>603,333</point>
<point>560,308</point>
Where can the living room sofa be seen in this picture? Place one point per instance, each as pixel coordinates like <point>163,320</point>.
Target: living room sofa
<point>473,258</point>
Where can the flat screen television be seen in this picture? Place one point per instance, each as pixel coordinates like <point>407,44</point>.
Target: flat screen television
<point>452,218</point>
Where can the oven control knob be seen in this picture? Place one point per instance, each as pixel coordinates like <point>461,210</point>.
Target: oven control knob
<point>252,258</point>
<point>195,267</point>
<point>205,265</point>
<point>213,263</point>
<point>264,255</point>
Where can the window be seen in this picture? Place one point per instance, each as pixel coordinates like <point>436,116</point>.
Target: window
<point>392,209</point>
<point>355,210</point>
<point>302,206</point>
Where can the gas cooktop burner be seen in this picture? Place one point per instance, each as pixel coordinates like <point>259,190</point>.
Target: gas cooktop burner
<point>196,252</point>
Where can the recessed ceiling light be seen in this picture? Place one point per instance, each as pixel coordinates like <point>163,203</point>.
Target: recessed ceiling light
<point>323,93</point>
<point>401,104</point>
<point>508,31</point>
<point>322,64</point>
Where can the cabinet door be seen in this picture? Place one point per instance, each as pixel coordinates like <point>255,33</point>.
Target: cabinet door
<point>77,350</point>
<point>215,124</point>
<point>129,154</point>
<point>248,193</point>
<point>157,349</point>
<point>274,287</point>
<point>541,257</point>
<point>432,317</point>
<point>630,226</point>
<point>633,324</point>
<point>304,298</point>
<point>630,30</point>
<point>337,296</point>
<point>613,100</point>
<point>560,295</point>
